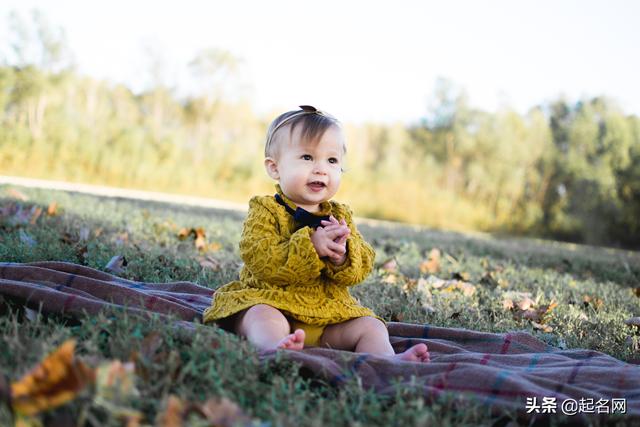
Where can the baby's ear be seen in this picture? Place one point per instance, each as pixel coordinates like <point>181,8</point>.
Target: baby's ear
<point>271,167</point>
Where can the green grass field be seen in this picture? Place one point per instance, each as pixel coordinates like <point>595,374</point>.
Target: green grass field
<point>579,297</point>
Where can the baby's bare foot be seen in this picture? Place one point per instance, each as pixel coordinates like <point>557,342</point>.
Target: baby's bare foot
<point>417,353</point>
<point>294,341</point>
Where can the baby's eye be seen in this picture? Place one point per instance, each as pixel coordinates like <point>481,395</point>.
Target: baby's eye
<point>333,160</point>
<point>305,157</point>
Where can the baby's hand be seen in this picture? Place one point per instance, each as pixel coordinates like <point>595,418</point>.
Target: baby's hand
<point>343,232</point>
<point>329,241</point>
<point>341,226</point>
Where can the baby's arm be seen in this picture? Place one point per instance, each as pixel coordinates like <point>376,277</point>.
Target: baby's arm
<point>271,257</point>
<point>360,257</point>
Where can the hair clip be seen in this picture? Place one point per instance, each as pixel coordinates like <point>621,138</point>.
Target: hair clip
<point>309,109</point>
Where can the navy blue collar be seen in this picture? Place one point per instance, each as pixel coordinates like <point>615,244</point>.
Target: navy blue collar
<point>302,216</point>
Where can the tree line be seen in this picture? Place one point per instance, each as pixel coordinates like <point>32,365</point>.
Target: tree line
<point>566,170</point>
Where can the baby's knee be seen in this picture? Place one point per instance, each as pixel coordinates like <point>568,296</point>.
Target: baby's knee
<point>369,324</point>
<point>265,315</point>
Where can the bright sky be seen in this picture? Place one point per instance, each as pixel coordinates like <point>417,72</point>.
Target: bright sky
<point>365,60</point>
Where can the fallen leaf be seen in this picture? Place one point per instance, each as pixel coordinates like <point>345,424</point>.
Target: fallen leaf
<point>513,299</point>
<point>525,303</point>
<point>224,413</point>
<point>200,238</point>
<point>52,209</point>
<point>36,211</point>
<point>58,379</point>
<point>390,278</point>
<point>390,265</point>
<point>200,241</point>
<point>594,302</point>
<point>115,387</point>
<point>116,264</point>
<point>213,247</point>
<point>210,262</point>
<point>432,263</point>
<point>184,233</point>
<point>17,194</point>
<point>115,381</point>
<point>172,415</point>
<point>541,327</point>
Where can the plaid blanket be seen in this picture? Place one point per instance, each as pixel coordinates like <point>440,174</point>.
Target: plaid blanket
<point>513,371</point>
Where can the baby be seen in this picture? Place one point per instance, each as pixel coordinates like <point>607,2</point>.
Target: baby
<point>302,251</point>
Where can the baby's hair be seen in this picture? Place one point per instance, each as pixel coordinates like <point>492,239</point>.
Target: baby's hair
<point>314,123</point>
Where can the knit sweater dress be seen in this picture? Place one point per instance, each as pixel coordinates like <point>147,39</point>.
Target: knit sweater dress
<point>282,268</point>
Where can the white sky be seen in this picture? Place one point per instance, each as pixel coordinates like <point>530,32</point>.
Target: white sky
<point>366,60</point>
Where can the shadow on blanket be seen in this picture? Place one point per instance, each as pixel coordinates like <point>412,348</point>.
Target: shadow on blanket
<point>499,370</point>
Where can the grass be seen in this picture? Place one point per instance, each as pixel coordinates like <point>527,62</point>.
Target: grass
<point>595,291</point>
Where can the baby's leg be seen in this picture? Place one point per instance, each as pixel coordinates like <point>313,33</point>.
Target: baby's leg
<point>267,328</point>
<point>368,335</point>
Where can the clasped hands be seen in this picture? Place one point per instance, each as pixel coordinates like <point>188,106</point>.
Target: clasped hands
<point>330,240</point>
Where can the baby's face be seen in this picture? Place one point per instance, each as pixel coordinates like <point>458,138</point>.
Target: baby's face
<point>310,173</point>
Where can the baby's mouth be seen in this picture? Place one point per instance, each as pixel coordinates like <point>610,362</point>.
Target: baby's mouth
<point>317,184</point>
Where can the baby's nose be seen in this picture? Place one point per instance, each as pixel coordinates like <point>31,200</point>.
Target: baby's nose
<point>320,168</point>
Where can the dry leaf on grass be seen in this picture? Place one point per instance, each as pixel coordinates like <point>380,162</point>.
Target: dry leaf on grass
<point>59,378</point>
<point>219,412</point>
<point>390,278</point>
<point>224,413</point>
<point>200,239</point>
<point>36,211</point>
<point>115,387</point>
<point>115,380</point>
<point>523,307</point>
<point>390,265</point>
<point>117,264</point>
<point>52,209</point>
<point>432,263</point>
<point>594,302</point>
<point>210,262</point>
<point>17,194</point>
<point>172,415</point>
<point>513,299</point>
<point>541,327</point>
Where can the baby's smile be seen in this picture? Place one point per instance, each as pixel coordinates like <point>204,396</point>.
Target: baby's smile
<point>317,185</point>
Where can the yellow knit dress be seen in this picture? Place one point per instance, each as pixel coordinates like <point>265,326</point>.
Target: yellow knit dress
<point>282,268</point>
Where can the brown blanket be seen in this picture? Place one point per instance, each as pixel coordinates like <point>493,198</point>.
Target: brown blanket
<point>502,371</point>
